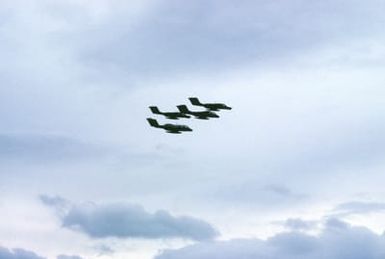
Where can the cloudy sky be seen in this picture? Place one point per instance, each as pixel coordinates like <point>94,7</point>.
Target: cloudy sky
<point>295,169</point>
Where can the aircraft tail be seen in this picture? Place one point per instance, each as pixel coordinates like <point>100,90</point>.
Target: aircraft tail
<point>183,108</point>
<point>153,123</point>
<point>195,101</point>
<point>155,110</point>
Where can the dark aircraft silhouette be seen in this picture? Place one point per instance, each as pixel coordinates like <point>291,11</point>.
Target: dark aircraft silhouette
<point>169,115</point>
<point>203,115</point>
<point>210,106</point>
<point>170,128</point>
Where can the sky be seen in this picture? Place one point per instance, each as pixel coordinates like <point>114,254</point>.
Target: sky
<point>294,170</point>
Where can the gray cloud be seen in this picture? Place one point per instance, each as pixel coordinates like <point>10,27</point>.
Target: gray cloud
<point>240,192</point>
<point>69,257</point>
<point>130,221</point>
<point>57,149</point>
<point>104,249</point>
<point>60,204</point>
<point>18,253</point>
<point>282,191</point>
<point>299,224</point>
<point>47,148</point>
<point>199,36</point>
<point>338,240</point>
<point>55,201</point>
<point>358,207</point>
<point>62,51</point>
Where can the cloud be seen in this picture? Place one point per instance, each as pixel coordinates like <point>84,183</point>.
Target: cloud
<point>55,201</point>
<point>171,36</point>
<point>123,220</point>
<point>297,224</point>
<point>338,240</point>
<point>104,249</point>
<point>244,192</point>
<point>358,207</point>
<point>32,147</point>
<point>58,149</point>
<point>200,36</point>
<point>18,253</point>
<point>292,127</point>
<point>69,257</point>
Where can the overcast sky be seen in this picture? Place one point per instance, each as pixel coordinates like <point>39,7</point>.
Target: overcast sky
<point>296,168</point>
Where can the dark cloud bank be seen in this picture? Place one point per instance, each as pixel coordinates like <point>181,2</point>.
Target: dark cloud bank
<point>338,240</point>
<point>123,220</point>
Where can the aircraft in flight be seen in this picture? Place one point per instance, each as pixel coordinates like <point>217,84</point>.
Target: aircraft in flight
<point>202,115</point>
<point>210,106</point>
<point>169,115</point>
<point>169,128</point>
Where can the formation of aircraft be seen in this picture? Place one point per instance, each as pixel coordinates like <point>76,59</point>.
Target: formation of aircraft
<point>184,112</point>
